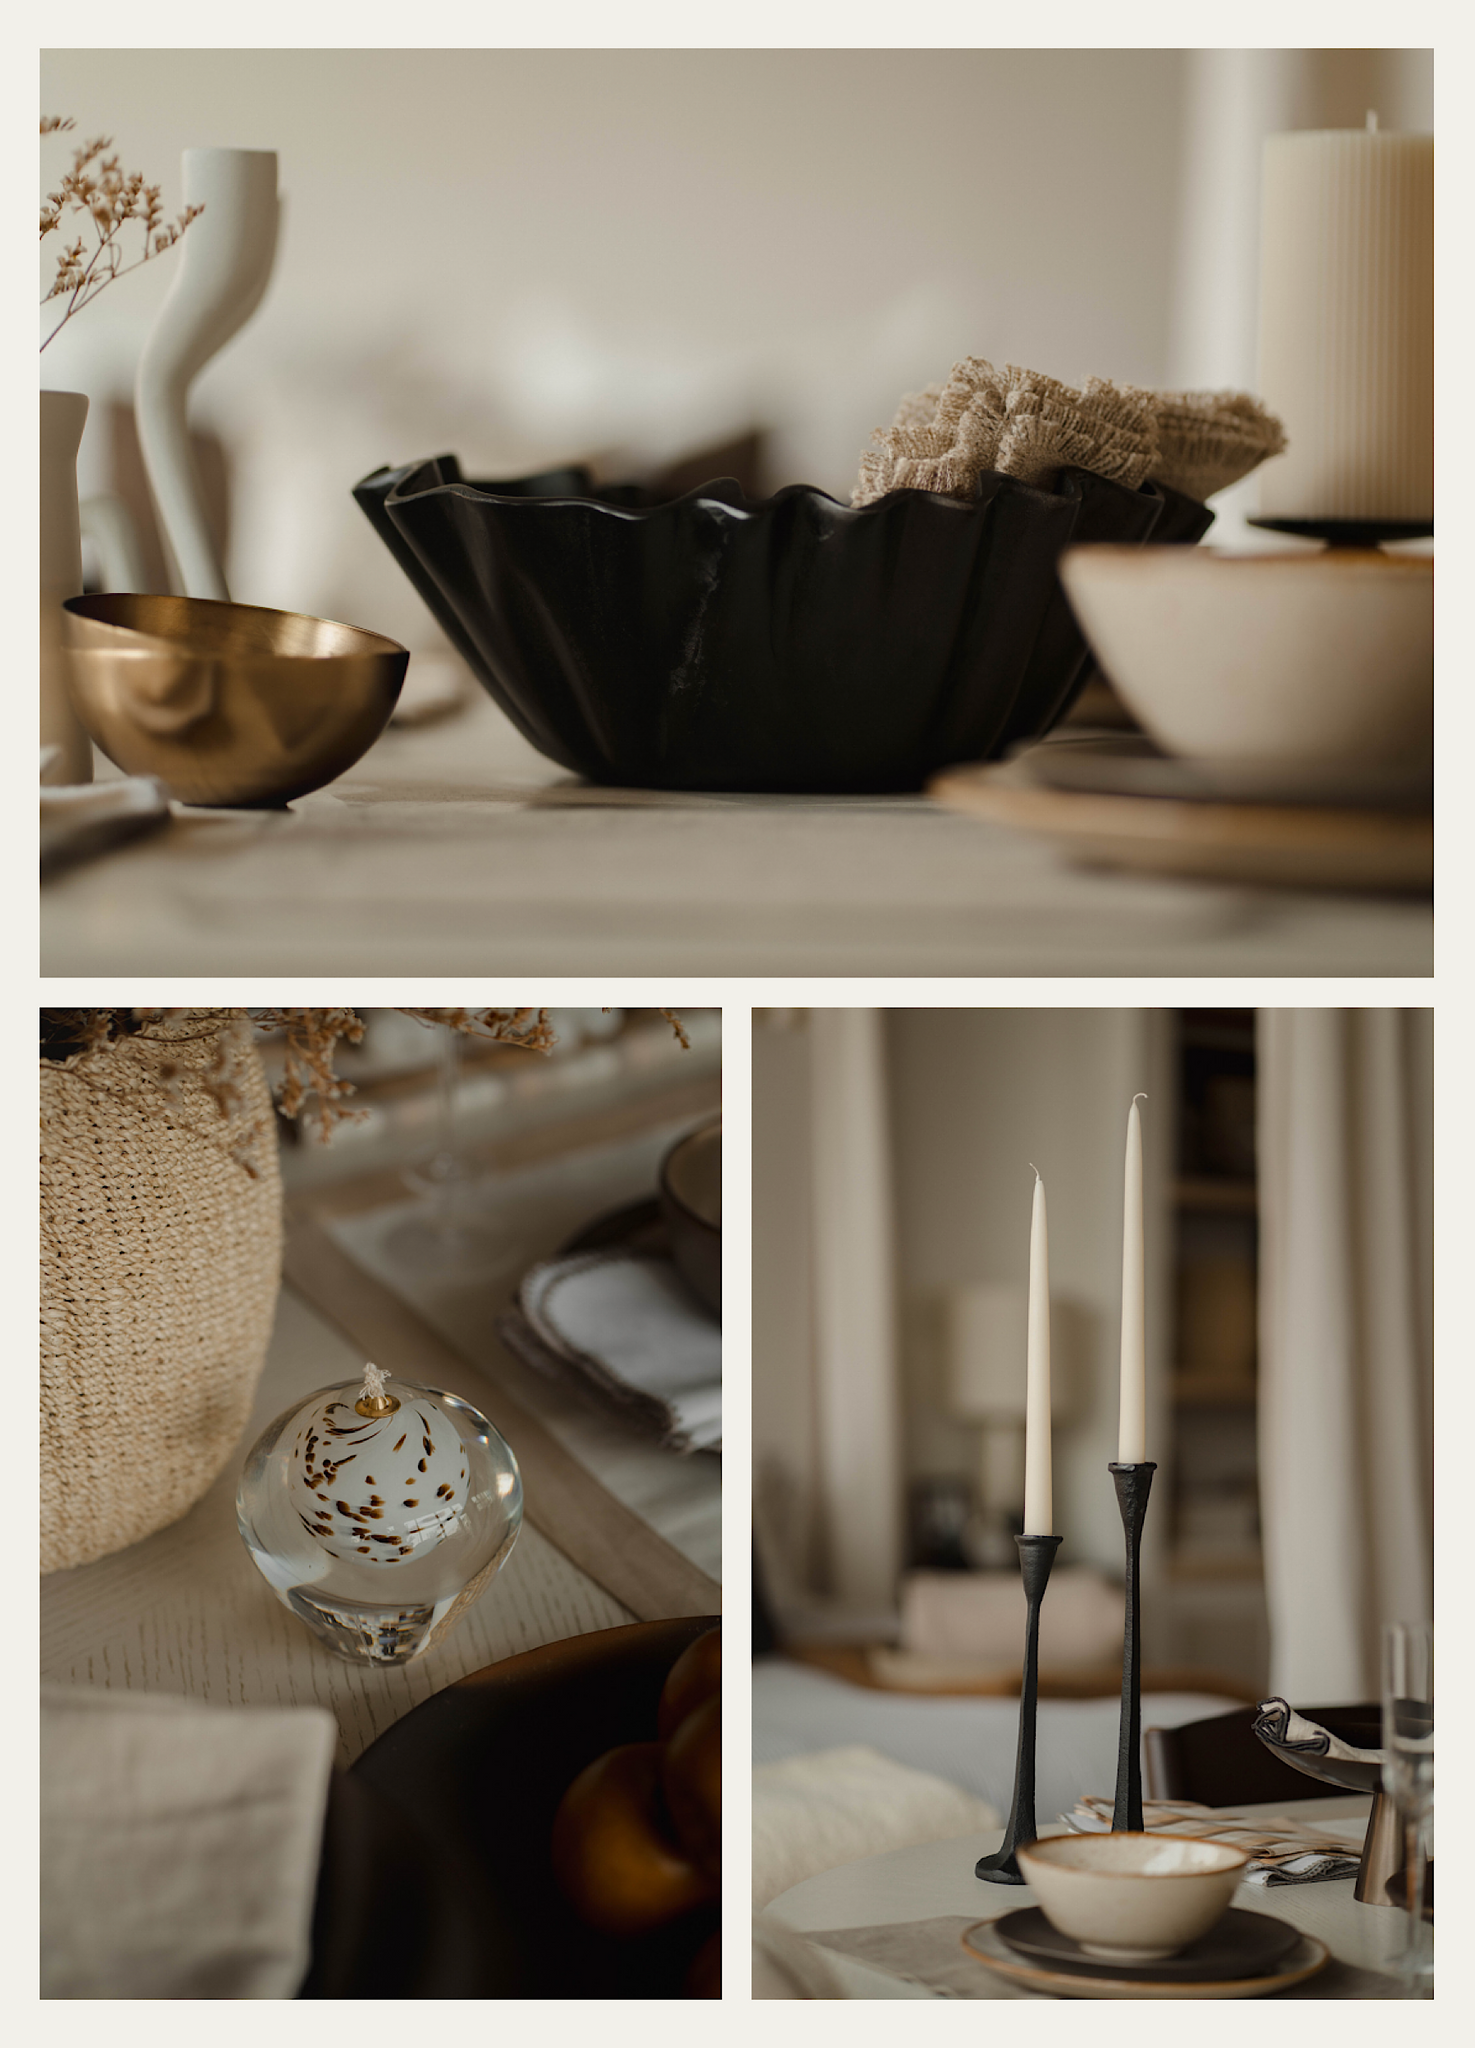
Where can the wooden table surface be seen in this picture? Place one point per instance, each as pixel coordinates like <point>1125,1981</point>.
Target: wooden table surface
<point>456,849</point>
<point>186,1612</point>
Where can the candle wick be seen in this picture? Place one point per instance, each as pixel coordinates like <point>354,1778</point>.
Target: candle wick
<point>1139,1098</point>
<point>1372,122</point>
<point>1035,1171</point>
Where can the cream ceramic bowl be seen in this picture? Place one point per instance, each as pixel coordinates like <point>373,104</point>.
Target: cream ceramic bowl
<point>1311,663</point>
<point>1131,1898</point>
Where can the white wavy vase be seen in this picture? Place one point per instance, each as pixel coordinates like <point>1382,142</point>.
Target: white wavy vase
<point>225,262</point>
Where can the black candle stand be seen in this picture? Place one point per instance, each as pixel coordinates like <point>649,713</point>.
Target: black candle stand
<point>1133,1484</point>
<point>1036,1555</point>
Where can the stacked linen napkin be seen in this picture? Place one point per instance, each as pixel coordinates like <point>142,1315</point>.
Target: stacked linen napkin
<point>179,1845</point>
<point>633,1332</point>
<point>1281,1851</point>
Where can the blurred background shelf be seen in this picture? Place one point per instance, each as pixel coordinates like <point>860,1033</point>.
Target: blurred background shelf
<point>1213,1603</point>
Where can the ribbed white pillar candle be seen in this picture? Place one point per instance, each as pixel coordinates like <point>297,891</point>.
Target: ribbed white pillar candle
<point>1347,324</point>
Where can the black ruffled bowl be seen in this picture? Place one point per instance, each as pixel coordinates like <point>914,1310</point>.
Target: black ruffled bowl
<point>791,643</point>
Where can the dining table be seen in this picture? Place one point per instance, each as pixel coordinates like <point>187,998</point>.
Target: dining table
<point>615,1530</point>
<point>454,848</point>
<point>891,1926</point>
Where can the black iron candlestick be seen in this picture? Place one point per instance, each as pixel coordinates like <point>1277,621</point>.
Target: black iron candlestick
<point>1036,1555</point>
<point>1133,1484</point>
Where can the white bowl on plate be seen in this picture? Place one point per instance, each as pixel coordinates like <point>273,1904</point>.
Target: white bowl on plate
<point>1289,662</point>
<point>1131,1898</point>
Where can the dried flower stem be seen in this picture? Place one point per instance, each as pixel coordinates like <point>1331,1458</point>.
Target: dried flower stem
<point>109,197</point>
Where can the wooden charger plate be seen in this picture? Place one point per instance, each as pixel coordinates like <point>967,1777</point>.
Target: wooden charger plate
<point>1291,845</point>
<point>983,1942</point>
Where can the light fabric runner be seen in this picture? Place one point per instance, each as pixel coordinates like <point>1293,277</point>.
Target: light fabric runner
<point>564,1500</point>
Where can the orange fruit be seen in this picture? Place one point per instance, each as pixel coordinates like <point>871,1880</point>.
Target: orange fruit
<point>695,1676</point>
<point>691,1778</point>
<point>613,1858</point>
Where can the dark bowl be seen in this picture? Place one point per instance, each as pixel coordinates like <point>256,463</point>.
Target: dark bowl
<point>715,641</point>
<point>445,1822</point>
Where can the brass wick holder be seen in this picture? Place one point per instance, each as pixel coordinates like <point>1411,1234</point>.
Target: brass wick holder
<point>375,1400</point>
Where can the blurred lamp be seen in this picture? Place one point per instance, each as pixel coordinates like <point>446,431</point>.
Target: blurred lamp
<point>985,1333</point>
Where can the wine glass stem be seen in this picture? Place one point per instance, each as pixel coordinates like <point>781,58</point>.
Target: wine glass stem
<point>1412,1893</point>
<point>447,1173</point>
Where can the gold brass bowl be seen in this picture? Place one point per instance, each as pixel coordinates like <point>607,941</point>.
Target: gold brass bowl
<point>228,704</point>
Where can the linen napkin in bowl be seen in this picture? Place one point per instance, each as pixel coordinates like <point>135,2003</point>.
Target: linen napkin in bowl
<point>628,1326</point>
<point>1281,1727</point>
<point>1281,1851</point>
<point>1024,424</point>
<point>179,1845</point>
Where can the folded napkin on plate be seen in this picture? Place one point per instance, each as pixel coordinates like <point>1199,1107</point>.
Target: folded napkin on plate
<point>83,819</point>
<point>631,1328</point>
<point>179,1845</point>
<point>1283,1728</point>
<point>1281,1851</point>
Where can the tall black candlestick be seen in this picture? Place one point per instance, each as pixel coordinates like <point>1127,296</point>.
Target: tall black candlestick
<point>1133,1484</point>
<point>1036,1555</point>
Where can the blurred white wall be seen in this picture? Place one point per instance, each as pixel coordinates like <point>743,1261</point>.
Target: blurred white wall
<point>527,256</point>
<point>530,255</point>
<point>977,1097</point>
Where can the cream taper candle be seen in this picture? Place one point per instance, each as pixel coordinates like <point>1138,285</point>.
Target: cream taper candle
<point>1039,1505</point>
<point>1132,1418</point>
<point>1347,323</point>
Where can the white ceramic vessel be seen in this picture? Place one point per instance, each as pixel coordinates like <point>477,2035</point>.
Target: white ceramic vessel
<point>63,416</point>
<point>224,266</point>
<point>1308,663</point>
<point>1132,1898</point>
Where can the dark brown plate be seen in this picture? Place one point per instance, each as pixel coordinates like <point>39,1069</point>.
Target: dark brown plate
<point>1054,1980</point>
<point>1239,1945</point>
<point>475,1775</point>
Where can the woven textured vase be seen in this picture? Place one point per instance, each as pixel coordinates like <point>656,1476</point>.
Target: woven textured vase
<point>160,1259</point>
